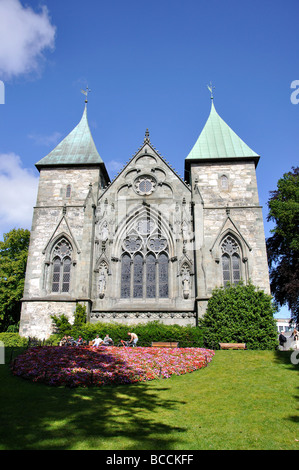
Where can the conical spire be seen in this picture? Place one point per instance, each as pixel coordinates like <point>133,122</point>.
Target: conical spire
<point>218,141</point>
<point>77,148</point>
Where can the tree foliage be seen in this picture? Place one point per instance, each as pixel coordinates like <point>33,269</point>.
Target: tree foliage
<point>240,314</point>
<point>283,245</point>
<point>13,259</point>
<point>64,326</point>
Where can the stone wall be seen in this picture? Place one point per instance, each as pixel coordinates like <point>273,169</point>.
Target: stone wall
<point>36,319</point>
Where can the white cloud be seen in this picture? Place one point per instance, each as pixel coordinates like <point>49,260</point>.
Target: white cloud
<point>24,35</point>
<point>18,190</point>
<point>46,140</point>
<point>114,167</point>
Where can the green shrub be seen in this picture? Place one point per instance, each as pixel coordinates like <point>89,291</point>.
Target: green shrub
<point>13,340</point>
<point>62,324</point>
<point>80,315</point>
<point>240,314</point>
<point>13,328</point>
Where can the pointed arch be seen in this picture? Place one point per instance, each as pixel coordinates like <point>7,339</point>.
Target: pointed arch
<point>151,275</point>
<point>138,276</point>
<point>150,219</point>
<point>229,227</point>
<point>231,260</point>
<point>163,275</point>
<point>143,245</point>
<point>125,281</point>
<point>61,260</point>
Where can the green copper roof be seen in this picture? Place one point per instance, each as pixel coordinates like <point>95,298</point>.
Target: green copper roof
<point>77,148</point>
<point>218,141</point>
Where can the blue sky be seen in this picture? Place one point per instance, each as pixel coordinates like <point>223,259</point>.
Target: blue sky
<point>147,65</point>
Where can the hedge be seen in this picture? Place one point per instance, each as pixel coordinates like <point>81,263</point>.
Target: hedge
<point>187,336</point>
<point>13,340</point>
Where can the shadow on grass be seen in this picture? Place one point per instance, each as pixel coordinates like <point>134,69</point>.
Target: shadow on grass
<point>288,358</point>
<point>37,416</point>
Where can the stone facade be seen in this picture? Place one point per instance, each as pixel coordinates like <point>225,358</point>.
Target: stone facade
<point>147,246</point>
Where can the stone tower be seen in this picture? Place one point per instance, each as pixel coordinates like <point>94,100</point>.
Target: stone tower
<point>59,266</point>
<point>229,230</point>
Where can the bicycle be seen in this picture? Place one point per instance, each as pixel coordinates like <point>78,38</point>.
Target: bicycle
<point>125,344</point>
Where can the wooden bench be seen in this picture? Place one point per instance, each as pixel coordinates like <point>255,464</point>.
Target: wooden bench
<point>232,345</point>
<point>165,344</point>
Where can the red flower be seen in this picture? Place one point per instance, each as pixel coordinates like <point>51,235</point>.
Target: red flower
<point>85,366</point>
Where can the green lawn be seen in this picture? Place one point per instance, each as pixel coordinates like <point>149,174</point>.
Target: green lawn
<point>242,400</point>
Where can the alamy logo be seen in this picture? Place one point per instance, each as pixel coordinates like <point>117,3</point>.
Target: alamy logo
<point>2,92</point>
<point>294,95</point>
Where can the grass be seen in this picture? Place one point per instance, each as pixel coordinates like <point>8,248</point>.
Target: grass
<point>242,400</point>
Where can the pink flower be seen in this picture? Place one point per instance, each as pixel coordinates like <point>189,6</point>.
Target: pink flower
<point>85,366</point>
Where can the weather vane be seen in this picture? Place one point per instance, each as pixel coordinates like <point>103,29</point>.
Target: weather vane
<point>211,88</point>
<point>85,92</point>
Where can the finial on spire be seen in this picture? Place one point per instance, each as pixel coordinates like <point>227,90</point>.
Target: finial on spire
<point>147,138</point>
<point>85,92</point>
<point>211,88</point>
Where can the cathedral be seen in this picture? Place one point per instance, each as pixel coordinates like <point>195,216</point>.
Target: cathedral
<point>148,245</point>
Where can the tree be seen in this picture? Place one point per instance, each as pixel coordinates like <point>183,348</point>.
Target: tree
<point>283,246</point>
<point>13,259</point>
<point>240,314</point>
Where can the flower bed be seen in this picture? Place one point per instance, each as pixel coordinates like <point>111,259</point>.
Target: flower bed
<point>86,366</point>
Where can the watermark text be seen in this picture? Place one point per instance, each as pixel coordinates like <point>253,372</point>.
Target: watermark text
<point>295,94</point>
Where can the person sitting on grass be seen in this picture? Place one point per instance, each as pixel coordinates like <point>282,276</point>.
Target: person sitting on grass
<point>63,341</point>
<point>107,341</point>
<point>97,341</point>
<point>80,341</point>
<point>70,341</point>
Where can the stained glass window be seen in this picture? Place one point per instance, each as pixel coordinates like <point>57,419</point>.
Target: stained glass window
<point>125,276</point>
<point>66,275</point>
<point>231,264</point>
<point>144,272</point>
<point>56,275</point>
<point>163,275</point>
<point>224,182</point>
<point>157,244</point>
<point>61,266</point>
<point>145,185</point>
<point>151,276</point>
<point>132,244</point>
<point>138,277</point>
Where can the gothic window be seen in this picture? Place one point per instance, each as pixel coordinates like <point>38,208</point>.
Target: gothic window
<point>144,262</point>
<point>138,277</point>
<point>151,276</point>
<point>224,182</point>
<point>163,275</point>
<point>231,262</point>
<point>56,274</point>
<point>61,266</point>
<point>132,244</point>
<point>125,276</point>
<point>145,185</point>
<point>68,191</point>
